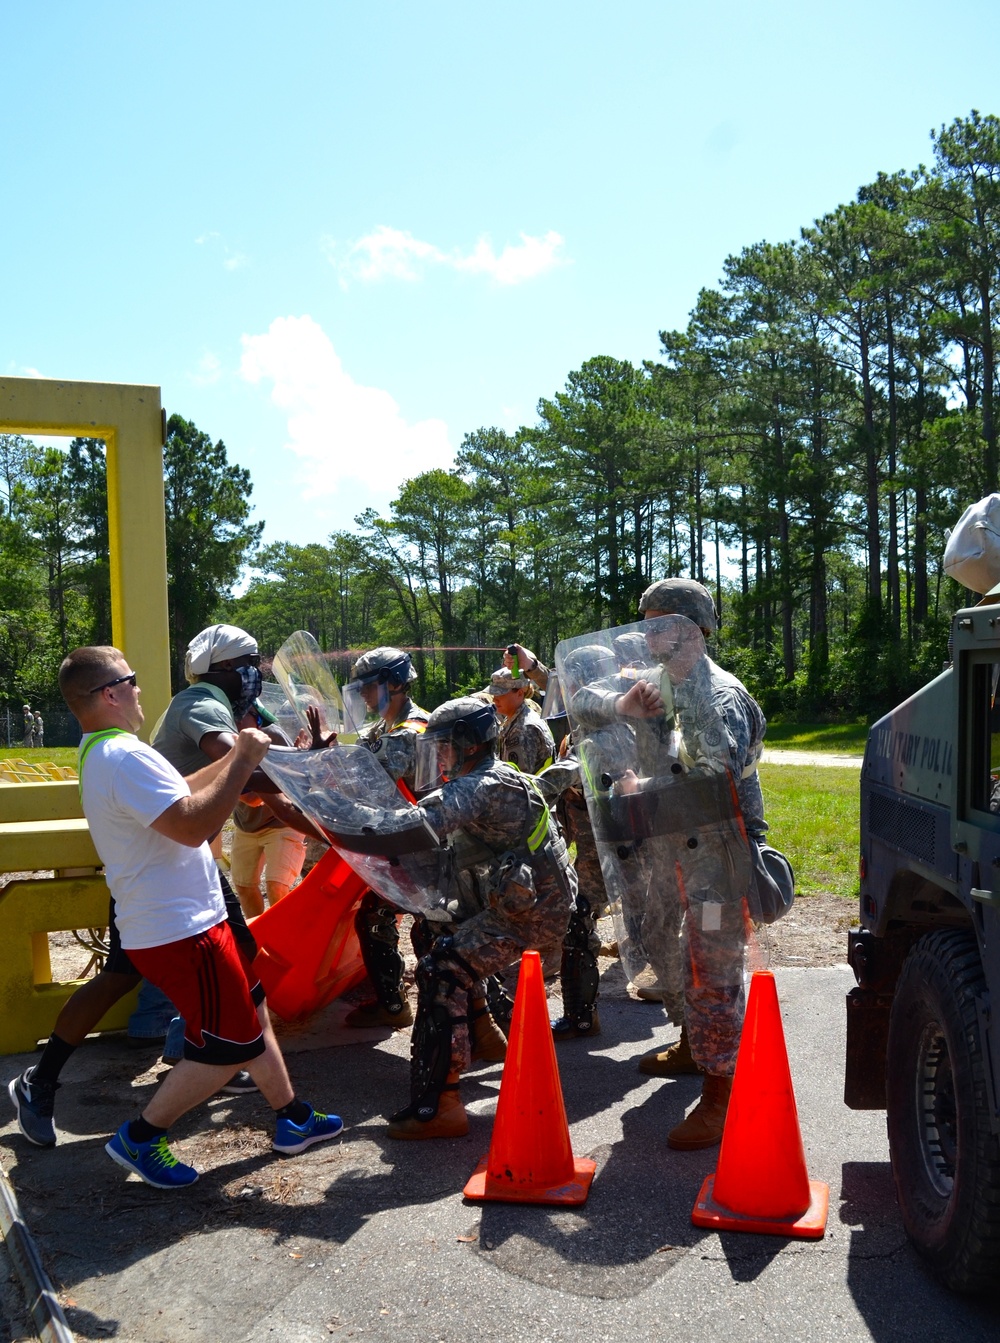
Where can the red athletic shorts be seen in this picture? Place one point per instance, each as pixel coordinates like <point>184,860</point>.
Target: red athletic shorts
<point>210,982</point>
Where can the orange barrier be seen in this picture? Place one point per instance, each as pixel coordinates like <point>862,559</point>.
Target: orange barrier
<point>308,949</point>
<point>761,1183</point>
<point>530,1158</point>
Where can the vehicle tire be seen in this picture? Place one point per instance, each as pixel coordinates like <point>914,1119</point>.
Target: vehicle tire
<point>945,1155</point>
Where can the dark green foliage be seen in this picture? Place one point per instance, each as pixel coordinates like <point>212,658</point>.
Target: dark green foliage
<point>209,537</point>
<point>54,563</point>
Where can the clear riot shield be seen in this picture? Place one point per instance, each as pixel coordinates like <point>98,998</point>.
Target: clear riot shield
<point>277,703</point>
<point>661,793</point>
<point>377,832</point>
<point>308,682</point>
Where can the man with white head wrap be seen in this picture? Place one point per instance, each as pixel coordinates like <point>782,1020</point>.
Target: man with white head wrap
<point>222,667</point>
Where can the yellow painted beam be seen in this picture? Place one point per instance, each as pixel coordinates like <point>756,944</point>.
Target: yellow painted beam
<point>130,421</point>
<point>34,846</point>
<point>29,910</point>
<point>40,802</point>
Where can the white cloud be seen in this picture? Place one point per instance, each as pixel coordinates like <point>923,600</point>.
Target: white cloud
<point>338,429</point>
<point>392,254</point>
<point>516,263</point>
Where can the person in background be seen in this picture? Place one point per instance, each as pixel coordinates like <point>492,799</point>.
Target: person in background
<point>39,729</point>
<point>381,679</point>
<point>29,727</point>
<point>525,740</point>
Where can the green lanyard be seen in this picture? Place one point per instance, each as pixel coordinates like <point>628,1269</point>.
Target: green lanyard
<point>85,750</point>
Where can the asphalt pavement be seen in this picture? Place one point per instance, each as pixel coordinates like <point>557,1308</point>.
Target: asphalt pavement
<point>368,1239</point>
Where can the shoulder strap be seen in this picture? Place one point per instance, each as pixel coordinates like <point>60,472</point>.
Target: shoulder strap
<point>536,831</point>
<point>86,747</point>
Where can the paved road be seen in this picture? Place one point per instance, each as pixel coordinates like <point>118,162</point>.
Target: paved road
<point>372,1240</point>
<point>825,758</point>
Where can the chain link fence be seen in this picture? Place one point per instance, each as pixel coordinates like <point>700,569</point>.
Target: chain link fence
<point>61,728</point>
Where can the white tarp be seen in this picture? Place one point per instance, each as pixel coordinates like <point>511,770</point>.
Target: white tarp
<point>972,555</point>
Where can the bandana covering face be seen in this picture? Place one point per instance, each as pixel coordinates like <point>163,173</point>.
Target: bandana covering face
<point>251,683</point>
<point>218,643</point>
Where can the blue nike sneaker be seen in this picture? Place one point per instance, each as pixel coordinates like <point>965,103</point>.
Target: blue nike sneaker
<point>291,1138</point>
<point>34,1100</point>
<point>152,1161</point>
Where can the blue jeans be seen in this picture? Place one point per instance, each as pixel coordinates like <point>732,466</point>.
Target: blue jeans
<point>153,1015</point>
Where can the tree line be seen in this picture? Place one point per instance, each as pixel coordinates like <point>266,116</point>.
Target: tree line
<point>55,590</point>
<point>801,446</point>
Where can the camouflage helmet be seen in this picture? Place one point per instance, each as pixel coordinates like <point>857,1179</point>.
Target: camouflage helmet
<point>681,597</point>
<point>630,648</point>
<point>465,721</point>
<point>589,662</point>
<point>384,664</point>
<point>503,681</point>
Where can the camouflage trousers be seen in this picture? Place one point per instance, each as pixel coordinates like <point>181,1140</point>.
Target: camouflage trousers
<point>487,944</point>
<point>693,930</point>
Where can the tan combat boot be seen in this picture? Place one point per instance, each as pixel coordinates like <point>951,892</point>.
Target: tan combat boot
<point>373,1016</point>
<point>703,1126</point>
<point>673,1062</point>
<point>487,1040</point>
<point>451,1121</point>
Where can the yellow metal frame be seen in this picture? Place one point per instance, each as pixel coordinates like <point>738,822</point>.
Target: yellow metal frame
<point>41,824</point>
<point>131,422</point>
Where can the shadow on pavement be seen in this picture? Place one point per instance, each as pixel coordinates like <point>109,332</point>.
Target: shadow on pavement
<point>893,1289</point>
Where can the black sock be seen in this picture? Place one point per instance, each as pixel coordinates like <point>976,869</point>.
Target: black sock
<point>53,1060</point>
<point>141,1131</point>
<point>297,1111</point>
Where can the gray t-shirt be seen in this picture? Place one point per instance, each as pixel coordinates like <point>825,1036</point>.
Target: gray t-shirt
<point>193,712</point>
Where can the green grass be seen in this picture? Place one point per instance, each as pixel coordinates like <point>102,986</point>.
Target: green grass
<point>813,815</point>
<point>841,738</point>
<point>49,755</point>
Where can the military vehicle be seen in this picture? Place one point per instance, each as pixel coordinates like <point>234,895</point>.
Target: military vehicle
<point>922,1042</point>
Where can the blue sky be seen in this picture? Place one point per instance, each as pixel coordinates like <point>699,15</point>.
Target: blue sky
<point>340,237</point>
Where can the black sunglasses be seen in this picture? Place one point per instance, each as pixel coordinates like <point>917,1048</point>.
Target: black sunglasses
<point>119,680</point>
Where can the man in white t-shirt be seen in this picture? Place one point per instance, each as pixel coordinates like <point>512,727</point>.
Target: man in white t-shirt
<point>150,826</point>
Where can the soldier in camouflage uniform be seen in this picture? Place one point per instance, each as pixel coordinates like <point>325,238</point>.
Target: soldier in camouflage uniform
<point>525,740</point>
<point>694,917</point>
<point>578,974</point>
<point>380,678</point>
<point>531,890</point>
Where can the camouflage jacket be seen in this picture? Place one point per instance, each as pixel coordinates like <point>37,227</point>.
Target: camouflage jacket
<point>525,741</point>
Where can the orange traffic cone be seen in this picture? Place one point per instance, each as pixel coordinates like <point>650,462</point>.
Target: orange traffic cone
<point>530,1158</point>
<point>761,1183</point>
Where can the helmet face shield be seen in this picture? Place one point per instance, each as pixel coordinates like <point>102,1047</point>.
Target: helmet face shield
<point>374,678</point>
<point>436,761</point>
<point>443,748</point>
<point>366,698</point>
